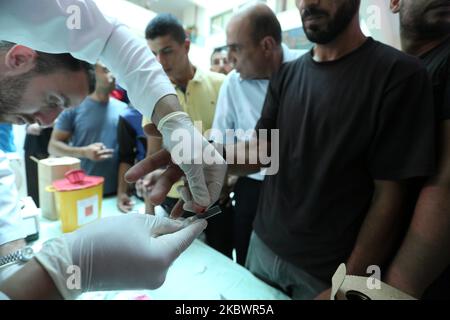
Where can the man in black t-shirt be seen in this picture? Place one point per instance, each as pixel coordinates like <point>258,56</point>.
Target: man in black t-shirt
<point>356,122</point>
<point>425,252</point>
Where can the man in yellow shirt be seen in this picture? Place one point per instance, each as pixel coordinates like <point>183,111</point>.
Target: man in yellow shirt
<point>197,91</point>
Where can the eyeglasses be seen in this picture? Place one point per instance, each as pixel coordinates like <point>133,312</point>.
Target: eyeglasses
<point>55,101</point>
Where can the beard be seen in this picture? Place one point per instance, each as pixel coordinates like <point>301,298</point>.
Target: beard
<point>11,91</point>
<point>417,19</point>
<point>13,87</point>
<point>328,31</point>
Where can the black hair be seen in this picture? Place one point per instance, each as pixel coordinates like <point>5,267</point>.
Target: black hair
<point>6,45</point>
<point>47,63</point>
<point>217,50</point>
<point>164,24</point>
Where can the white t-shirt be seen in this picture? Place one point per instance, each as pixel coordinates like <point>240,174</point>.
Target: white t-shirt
<point>241,102</point>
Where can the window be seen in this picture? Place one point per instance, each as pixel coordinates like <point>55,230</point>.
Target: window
<point>285,5</point>
<point>220,22</point>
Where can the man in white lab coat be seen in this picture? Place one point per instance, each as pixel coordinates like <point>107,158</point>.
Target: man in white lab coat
<point>40,94</point>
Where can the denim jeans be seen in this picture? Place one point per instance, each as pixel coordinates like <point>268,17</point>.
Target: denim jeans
<point>269,267</point>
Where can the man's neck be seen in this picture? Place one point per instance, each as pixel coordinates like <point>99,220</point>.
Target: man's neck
<point>276,61</point>
<point>349,40</point>
<point>416,45</point>
<point>184,77</point>
<point>99,96</point>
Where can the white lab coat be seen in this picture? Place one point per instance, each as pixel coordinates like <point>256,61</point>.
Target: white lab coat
<point>52,26</point>
<point>10,219</point>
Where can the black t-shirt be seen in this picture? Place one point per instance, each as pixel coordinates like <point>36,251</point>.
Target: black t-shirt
<point>437,62</point>
<point>342,124</point>
<point>126,140</point>
<point>37,145</point>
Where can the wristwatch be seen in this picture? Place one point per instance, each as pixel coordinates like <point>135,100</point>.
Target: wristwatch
<point>22,255</point>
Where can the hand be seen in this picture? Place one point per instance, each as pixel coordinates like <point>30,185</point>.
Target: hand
<point>325,295</point>
<point>203,167</point>
<point>127,252</point>
<point>124,203</point>
<point>148,184</point>
<point>155,185</point>
<point>97,152</point>
<point>230,182</point>
<point>34,129</point>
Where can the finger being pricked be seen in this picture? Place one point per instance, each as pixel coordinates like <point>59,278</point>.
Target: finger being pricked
<point>164,183</point>
<point>160,159</point>
<point>177,210</point>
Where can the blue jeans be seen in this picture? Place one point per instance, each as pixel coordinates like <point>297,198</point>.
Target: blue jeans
<point>275,271</point>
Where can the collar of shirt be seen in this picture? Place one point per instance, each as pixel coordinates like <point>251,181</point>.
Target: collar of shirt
<point>288,55</point>
<point>199,76</point>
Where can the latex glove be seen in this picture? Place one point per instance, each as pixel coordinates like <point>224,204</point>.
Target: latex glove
<point>128,252</point>
<point>202,165</point>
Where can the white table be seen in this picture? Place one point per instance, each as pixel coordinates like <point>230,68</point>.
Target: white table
<point>200,273</point>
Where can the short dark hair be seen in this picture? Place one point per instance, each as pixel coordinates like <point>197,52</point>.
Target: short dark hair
<point>218,50</point>
<point>5,45</point>
<point>264,25</point>
<point>164,24</point>
<point>47,63</point>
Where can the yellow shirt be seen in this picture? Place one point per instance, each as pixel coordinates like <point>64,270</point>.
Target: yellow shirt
<point>199,102</point>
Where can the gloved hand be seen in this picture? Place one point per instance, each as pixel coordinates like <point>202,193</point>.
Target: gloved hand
<point>202,165</point>
<point>127,252</point>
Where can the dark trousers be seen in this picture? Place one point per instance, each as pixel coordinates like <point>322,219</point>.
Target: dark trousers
<point>246,196</point>
<point>219,233</point>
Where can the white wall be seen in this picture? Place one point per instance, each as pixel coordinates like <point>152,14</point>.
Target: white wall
<point>130,14</point>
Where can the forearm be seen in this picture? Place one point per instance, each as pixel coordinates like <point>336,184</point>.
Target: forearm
<point>31,282</point>
<point>243,170</point>
<point>243,158</point>
<point>379,232</point>
<point>62,149</point>
<point>164,106</point>
<point>122,185</point>
<point>424,253</point>
<point>12,246</point>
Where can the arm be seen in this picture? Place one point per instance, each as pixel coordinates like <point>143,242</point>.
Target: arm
<point>242,150</point>
<point>79,27</point>
<point>402,148</point>
<point>147,248</point>
<point>37,281</point>
<point>381,229</point>
<point>425,253</point>
<point>58,145</point>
